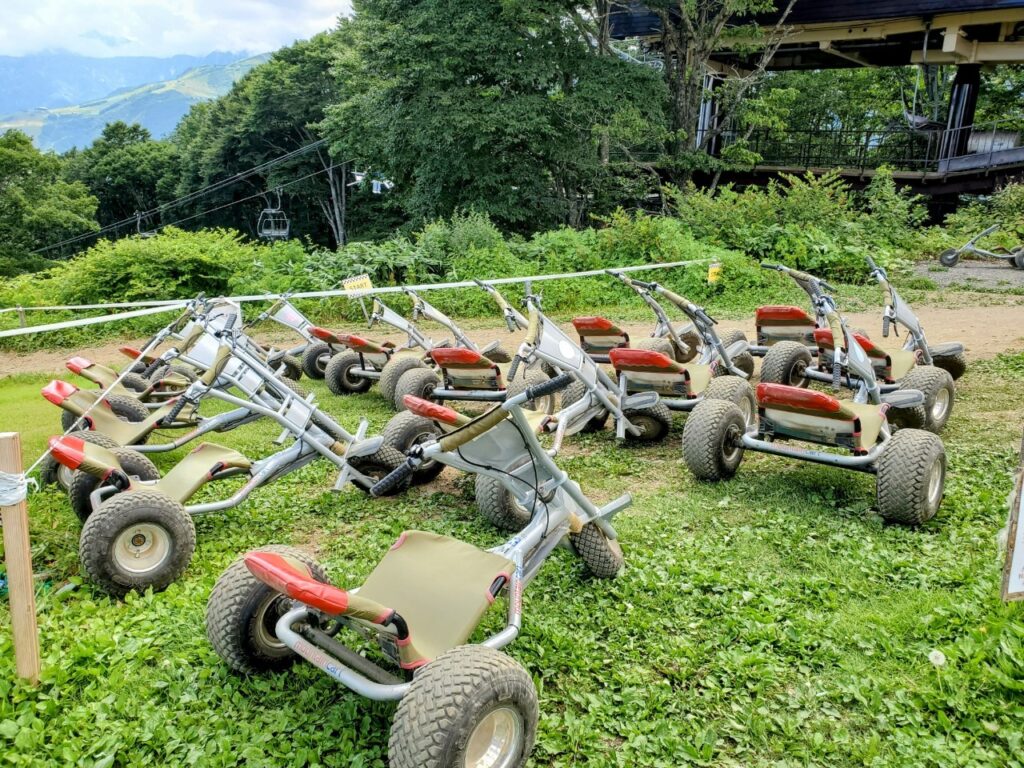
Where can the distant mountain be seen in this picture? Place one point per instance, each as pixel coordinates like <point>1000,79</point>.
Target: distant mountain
<point>158,106</point>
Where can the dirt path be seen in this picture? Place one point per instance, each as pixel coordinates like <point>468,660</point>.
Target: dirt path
<point>985,331</point>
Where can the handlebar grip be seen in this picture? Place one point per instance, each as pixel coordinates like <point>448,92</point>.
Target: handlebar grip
<point>393,479</point>
<point>172,415</point>
<point>561,381</point>
<point>776,267</point>
<point>837,371</point>
<point>153,368</point>
<point>513,368</point>
<point>871,263</point>
<point>885,326</point>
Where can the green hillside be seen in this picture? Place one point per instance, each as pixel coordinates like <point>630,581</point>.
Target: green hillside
<point>156,106</point>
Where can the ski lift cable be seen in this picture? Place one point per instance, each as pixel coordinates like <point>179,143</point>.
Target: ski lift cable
<point>242,175</point>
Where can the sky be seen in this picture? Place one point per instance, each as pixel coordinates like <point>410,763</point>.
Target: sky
<point>161,27</point>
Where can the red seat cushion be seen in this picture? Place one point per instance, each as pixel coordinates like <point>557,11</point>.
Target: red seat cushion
<point>58,391</point>
<point>325,334</point>
<point>78,364</point>
<point>430,410</point>
<point>796,398</point>
<point>292,578</point>
<point>445,356</point>
<point>639,358</point>
<point>782,312</point>
<point>69,451</point>
<point>823,338</point>
<point>593,323</point>
<point>131,352</point>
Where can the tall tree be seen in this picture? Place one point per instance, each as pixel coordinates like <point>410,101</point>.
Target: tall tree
<point>37,207</point>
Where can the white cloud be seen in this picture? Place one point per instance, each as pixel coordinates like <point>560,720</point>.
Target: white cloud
<point>162,27</point>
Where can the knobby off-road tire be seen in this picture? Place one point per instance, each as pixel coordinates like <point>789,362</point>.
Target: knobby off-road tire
<point>407,429</point>
<point>315,358</point>
<point>532,377</point>
<point>419,382</point>
<point>711,440</point>
<point>939,396</point>
<point>339,378</point>
<point>377,466</point>
<point>295,387</point>
<point>436,722</point>
<point>499,355</point>
<point>655,423</point>
<point>1018,257</point>
<point>577,391</point>
<point>954,365</point>
<point>785,363</point>
<point>135,382</point>
<point>125,408</point>
<point>137,540</point>
<point>242,612</point>
<point>498,506</point>
<point>292,367</point>
<point>185,372</point>
<point>601,555</point>
<point>83,484</point>
<point>911,477</point>
<point>744,360</point>
<point>52,471</point>
<point>656,344</point>
<point>949,257</point>
<point>736,391</point>
<point>393,370</point>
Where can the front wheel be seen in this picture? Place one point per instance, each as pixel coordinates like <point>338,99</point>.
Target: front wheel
<point>471,706</point>
<point>601,555</point>
<point>954,365</point>
<point>712,440</point>
<point>376,467</point>
<point>419,382</point>
<point>577,391</point>
<point>911,477</point>
<point>949,257</point>
<point>498,506</point>
<point>407,429</point>
<point>135,541</point>
<point>532,377</point>
<point>242,614</point>
<point>744,360</point>
<point>654,423</point>
<point>315,358</point>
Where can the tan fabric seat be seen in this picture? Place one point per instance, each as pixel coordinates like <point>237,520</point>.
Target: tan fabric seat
<point>646,370</point>
<point>806,414</point>
<point>193,471</point>
<point>890,365</point>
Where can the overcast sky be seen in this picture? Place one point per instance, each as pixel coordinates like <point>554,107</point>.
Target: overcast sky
<point>161,27</point>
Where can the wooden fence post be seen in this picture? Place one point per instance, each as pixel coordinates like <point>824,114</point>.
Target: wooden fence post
<point>18,556</point>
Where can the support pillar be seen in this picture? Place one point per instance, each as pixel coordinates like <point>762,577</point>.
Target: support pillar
<point>963,100</point>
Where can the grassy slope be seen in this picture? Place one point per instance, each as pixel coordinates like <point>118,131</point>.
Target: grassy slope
<point>772,620</point>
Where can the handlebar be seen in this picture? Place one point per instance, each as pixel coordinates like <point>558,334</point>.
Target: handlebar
<point>549,387</point>
<point>394,478</point>
<point>514,367</point>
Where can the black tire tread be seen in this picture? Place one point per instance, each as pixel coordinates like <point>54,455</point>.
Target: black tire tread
<point>497,506</point>
<point>703,435</point>
<point>903,473</point>
<point>602,556</point>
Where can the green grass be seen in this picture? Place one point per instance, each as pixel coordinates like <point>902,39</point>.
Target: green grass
<point>773,620</point>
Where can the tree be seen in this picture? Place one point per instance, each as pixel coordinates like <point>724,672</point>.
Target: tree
<point>37,207</point>
<point>498,107</point>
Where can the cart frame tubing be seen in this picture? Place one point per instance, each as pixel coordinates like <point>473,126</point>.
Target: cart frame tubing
<point>421,306</point>
<point>384,314</point>
<point>527,550</point>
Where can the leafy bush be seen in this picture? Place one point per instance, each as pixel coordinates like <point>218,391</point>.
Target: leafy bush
<point>1005,208</point>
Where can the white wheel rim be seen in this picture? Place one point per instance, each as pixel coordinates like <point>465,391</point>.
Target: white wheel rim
<point>142,548</point>
<point>730,446</point>
<point>746,410</point>
<point>935,485</point>
<point>496,741</point>
<point>64,476</point>
<point>265,634</point>
<point>940,405</point>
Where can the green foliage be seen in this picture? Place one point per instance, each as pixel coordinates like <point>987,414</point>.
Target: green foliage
<point>37,207</point>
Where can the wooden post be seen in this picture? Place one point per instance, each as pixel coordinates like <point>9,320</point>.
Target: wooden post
<point>18,556</point>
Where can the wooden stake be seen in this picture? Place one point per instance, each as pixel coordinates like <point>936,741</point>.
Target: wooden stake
<point>18,555</point>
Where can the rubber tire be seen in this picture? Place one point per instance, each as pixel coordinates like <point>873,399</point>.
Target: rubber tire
<point>532,377</point>
<point>237,602</point>
<point>337,378</point>
<point>736,391</point>
<point>744,360</point>
<point>930,380</point>
<point>419,382</point>
<point>312,365</point>
<point>393,370</point>
<point>706,432</point>
<point>378,465</point>
<point>904,472</point>
<point>499,355</point>
<point>120,512</point>
<point>655,423</point>
<point>407,429</point>
<point>295,387</point>
<point>782,361</point>
<point>601,555</point>
<point>656,344</point>
<point>1018,257</point>
<point>949,257</point>
<point>954,365</point>
<point>125,408</point>
<point>449,696</point>
<point>83,484</point>
<point>292,367</point>
<point>498,506</point>
<point>135,382</point>
<point>185,372</point>
<point>574,392</point>
<point>50,469</point>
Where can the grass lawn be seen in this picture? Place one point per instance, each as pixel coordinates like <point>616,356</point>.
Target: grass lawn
<point>773,620</point>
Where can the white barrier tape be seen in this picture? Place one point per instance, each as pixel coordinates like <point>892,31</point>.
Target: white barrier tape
<point>160,306</point>
<point>13,488</point>
<point>90,320</point>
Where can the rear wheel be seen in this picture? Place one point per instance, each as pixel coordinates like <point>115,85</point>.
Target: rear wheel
<point>407,429</point>
<point>949,257</point>
<point>911,477</point>
<point>1018,257</point>
<point>954,365</point>
<point>52,471</point>
<point>339,375</point>
<point>532,377</point>
<point>736,391</point>
<point>242,613</point>
<point>393,370</point>
<point>135,541</point>
<point>656,344</point>
<point>83,484</point>
<point>419,382</point>
<point>471,706</point>
<point>654,423</point>
<point>712,446</point>
<point>939,395</point>
<point>744,360</point>
<point>134,382</point>
<point>601,555</point>
<point>315,358</point>
<point>577,391</point>
<point>498,506</point>
<point>785,363</point>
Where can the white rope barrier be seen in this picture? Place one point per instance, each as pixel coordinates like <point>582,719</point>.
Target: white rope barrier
<point>13,488</point>
<point>156,307</point>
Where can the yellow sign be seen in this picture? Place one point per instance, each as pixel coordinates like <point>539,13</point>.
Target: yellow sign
<point>357,286</point>
<point>714,272</point>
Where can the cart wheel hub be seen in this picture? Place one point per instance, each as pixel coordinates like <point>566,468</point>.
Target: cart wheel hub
<point>941,404</point>
<point>935,485</point>
<point>142,548</point>
<point>497,739</point>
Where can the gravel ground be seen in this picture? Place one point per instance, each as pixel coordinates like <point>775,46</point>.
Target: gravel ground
<point>999,275</point>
